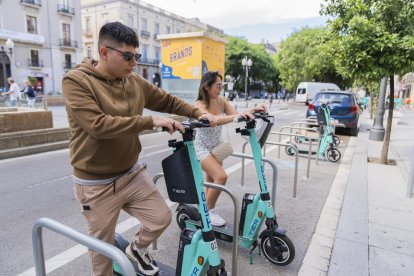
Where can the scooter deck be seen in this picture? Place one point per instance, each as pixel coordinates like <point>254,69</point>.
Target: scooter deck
<point>224,233</point>
<point>122,244</point>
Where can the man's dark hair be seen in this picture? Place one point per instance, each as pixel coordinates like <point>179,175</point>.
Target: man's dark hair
<point>117,33</point>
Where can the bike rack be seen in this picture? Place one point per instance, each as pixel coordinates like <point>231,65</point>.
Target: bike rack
<point>235,245</point>
<point>90,242</point>
<point>296,147</point>
<point>300,128</point>
<point>265,160</point>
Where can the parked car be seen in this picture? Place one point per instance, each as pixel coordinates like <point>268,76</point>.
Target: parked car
<point>344,108</point>
<point>307,90</point>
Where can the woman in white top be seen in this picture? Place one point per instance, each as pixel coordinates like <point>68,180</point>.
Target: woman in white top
<point>210,101</point>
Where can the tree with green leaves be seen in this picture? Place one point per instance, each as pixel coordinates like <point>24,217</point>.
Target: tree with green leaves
<point>263,71</point>
<point>305,56</point>
<point>372,39</point>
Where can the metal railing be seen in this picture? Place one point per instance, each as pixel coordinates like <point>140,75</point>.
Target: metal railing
<point>32,2</point>
<point>34,63</point>
<point>63,42</point>
<point>235,220</point>
<point>145,33</point>
<point>66,9</point>
<point>299,128</point>
<point>90,242</point>
<point>292,145</point>
<point>265,160</point>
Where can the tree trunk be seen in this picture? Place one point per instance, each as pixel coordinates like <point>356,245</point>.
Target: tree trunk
<point>385,146</point>
<point>371,99</point>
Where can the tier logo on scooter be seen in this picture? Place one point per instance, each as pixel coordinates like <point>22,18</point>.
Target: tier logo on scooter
<point>205,208</point>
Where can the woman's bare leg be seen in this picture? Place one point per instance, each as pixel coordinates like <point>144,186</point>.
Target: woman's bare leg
<point>216,174</point>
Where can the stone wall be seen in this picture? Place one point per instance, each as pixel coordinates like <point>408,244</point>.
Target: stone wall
<point>22,119</point>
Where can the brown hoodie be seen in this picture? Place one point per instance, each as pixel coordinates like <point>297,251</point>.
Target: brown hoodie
<point>105,117</point>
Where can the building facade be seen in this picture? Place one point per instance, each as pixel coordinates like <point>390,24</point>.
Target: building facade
<point>47,41</point>
<point>147,20</point>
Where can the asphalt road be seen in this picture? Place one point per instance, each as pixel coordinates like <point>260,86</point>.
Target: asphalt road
<point>40,186</point>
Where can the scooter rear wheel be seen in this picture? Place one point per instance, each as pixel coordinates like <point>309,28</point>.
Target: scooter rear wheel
<point>182,216</point>
<point>284,252</point>
<point>336,140</point>
<point>333,155</point>
<point>290,151</point>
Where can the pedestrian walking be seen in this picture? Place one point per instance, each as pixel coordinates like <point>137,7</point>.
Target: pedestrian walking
<point>14,92</point>
<point>30,93</point>
<point>105,100</point>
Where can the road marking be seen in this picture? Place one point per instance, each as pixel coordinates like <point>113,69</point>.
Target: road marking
<point>79,250</point>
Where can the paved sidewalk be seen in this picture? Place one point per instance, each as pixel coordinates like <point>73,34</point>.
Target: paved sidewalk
<point>375,230</point>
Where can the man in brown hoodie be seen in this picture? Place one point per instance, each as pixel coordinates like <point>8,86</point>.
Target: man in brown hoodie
<point>105,102</point>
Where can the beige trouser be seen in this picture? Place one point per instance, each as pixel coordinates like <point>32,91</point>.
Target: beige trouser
<point>136,194</point>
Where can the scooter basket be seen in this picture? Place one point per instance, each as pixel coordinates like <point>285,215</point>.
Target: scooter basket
<point>179,177</point>
<point>321,117</point>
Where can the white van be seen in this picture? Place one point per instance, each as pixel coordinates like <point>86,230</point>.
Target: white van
<point>307,90</point>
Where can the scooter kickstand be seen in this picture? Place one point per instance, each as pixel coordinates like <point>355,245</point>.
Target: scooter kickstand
<point>254,245</point>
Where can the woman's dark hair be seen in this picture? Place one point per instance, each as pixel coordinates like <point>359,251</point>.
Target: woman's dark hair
<point>207,81</point>
<point>117,33</point>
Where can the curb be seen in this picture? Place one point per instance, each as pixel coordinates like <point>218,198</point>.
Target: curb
<point>318,254</point>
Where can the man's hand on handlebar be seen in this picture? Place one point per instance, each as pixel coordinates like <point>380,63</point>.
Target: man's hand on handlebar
<point>209,117</point>
<point>170,124</point>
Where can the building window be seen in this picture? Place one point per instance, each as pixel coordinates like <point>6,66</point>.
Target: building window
<point>157,29</point>
<point>31,24</point>
<point>144,24</point>
<point>177,30</point>
<point>145,73</point>
<point>130,20</point>
<point>88,25</point>
<point>89,52</point>
<point>105,18</point>
<point>168,30</point>
<point>157,51</point>
<point>66,33</point>
<point>68,61</point>
<point>34,58</point>
<point>144,53</point>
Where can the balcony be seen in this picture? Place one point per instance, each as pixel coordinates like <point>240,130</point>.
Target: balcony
<point>68,66</point>
<point>31,3</point>
<point>87,32</point>
<point>145,34</point>
<point>33,63</point>
<point>66,10</point>
<point>149,61</point>
<point>68,43</point>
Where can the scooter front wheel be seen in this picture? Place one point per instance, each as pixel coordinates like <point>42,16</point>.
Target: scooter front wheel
<point>282,254</point>
<point>333,154</point>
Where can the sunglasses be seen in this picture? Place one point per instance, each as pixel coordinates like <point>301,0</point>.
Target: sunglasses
<point>127,55</point>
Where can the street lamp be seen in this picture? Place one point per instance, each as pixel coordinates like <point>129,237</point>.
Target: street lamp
<point>9,45</point>
<point>246,64</point>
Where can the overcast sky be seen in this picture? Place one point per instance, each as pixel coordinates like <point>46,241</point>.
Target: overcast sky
<point>226,14</point>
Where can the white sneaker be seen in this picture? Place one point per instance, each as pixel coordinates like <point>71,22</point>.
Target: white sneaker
<point>215,218</point>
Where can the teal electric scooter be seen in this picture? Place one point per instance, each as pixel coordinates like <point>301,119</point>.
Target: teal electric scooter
<point>256,209</point>
<point>198,253</point>
<point>328,141</point>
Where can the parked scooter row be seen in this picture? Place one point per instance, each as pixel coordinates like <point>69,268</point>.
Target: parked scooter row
<point>198,253</point>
